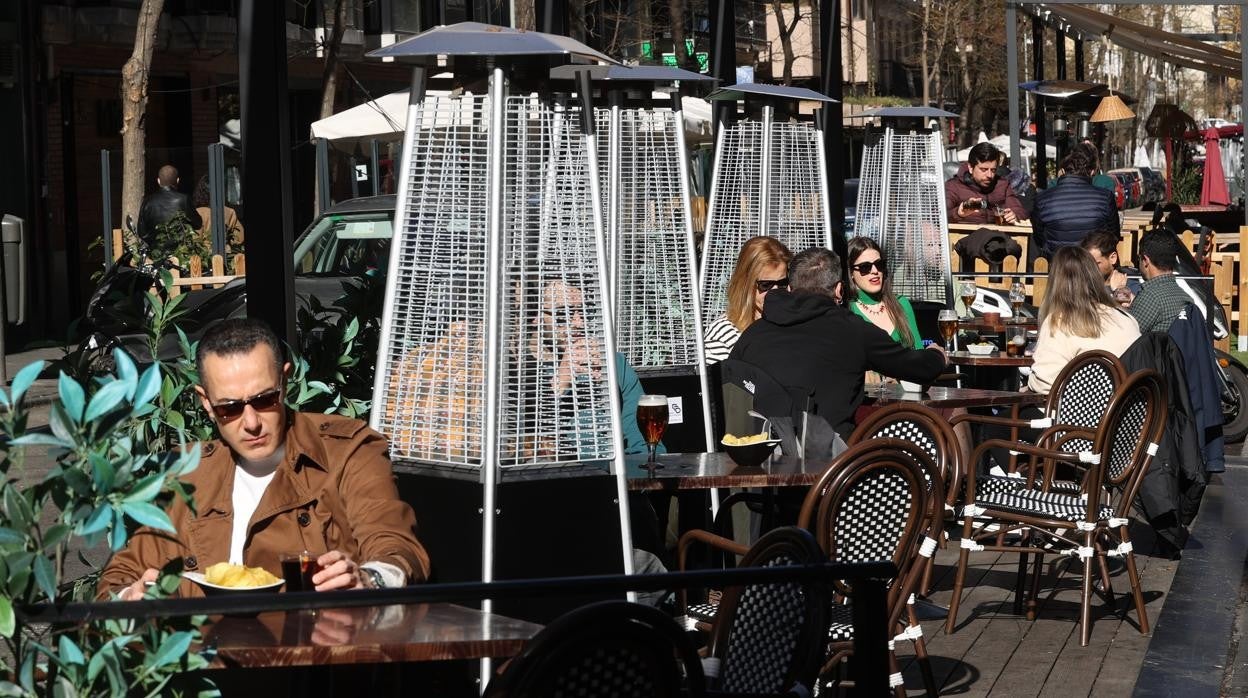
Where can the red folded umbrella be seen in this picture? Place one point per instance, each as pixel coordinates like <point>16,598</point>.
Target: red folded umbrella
<point>1213,191</point>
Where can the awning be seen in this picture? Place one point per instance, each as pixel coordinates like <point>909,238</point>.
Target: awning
<point>1150,41</point>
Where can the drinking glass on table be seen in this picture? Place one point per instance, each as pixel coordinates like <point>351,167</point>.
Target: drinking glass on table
<point>947,320</point>
<point>652,420</point>
<point>968,292</point>
<point>998,214</point>
<point>1018,294</point>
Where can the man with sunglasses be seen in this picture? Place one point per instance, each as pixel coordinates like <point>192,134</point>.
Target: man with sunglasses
<point>277,482</point>
<point>975,192</point>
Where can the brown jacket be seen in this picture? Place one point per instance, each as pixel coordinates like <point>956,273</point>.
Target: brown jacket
<point>961,188</point>
<point>333,490</point>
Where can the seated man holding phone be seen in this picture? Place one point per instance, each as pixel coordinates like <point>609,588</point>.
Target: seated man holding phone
<point>977,195</point>
<point>277,482</point>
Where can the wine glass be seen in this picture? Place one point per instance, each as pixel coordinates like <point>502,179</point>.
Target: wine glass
<point>968,293</point>
<point>652,420</point>
<point>947,320</point>
<point>1018,294</point>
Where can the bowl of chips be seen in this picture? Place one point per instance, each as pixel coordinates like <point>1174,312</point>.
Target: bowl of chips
<point>749,451</point>
<point>228,578</point>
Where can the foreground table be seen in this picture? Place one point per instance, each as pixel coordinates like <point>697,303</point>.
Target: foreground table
<point>996,358</point>
<point>424,632</point>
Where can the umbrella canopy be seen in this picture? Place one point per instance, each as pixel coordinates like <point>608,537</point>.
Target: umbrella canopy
<point>740,90</point>
<point>1213,191</point>
<point>477,39</point>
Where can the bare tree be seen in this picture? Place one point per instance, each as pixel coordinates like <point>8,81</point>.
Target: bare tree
<point>788,14</point>
<point>134,80</point>
<point>933,37</point>
<point>676,11</point>
<point>335,23</point>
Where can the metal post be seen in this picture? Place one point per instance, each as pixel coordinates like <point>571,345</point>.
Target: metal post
<point>833,127</point>
<point>1078,58</point>
<point>552,16</point>
<point>216,197</point>
<point>1011,81</point>
<point>266,163</point>
<point>493,338</point>
<point>614,171</point>
<point>355,181</point>
<point>724,59</point>
<point>764,169</point>
<point>1042,165</point>
<point>374,153</point>
<point>106,193</point>
<point>870,615</point>
<point>1059,43</point>
<point>322,175</point>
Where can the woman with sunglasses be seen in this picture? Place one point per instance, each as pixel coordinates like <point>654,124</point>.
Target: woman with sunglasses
<point>762,265</point>
<point>871,296</point>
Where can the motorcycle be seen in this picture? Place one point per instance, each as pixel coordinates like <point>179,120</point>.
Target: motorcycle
<point>118,314</point>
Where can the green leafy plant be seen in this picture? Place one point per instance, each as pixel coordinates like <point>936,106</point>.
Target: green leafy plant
<point>104,483</point>
<point>337,353</point>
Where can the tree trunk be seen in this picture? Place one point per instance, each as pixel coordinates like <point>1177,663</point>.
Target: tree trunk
<point>526,15</point>
<point>335,20</point>
<point>785,30</point>
<point>134,78</point>
<point>923,70</point>
<point>676,10</point>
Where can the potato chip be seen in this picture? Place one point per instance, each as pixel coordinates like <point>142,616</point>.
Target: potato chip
<point>225,574</point>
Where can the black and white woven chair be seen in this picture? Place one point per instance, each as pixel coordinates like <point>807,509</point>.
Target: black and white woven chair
<point>1086,524</point>
<point>882,499</point>
<point>1076,405</point>
<point>612,649</point>
<point>768,638</point>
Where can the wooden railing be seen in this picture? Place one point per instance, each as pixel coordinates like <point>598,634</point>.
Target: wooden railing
<point>199,276</point>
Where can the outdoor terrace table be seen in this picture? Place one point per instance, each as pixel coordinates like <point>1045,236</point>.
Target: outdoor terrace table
<point>937,397</point>
<point>701,471</point>
<point>421,632</point>
<point>996,359</point>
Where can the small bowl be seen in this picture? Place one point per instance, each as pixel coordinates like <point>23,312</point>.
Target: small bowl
<point>216,589</point>
<point>751,455</point>
<point>980,349</point>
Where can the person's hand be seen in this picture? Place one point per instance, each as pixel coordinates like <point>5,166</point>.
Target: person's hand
<point>338,571</point>
<point>1009,216</point>
<point>973,202</point>
<point>333,627</point>
<point>135,591</point>
<point>1117,279</point>
<point>1124,297</point>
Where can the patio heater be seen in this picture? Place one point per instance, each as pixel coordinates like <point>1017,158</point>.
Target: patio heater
<point>901,202</point>
<point>768,179</point>
<point>496,380</point>
<point>651,258</point>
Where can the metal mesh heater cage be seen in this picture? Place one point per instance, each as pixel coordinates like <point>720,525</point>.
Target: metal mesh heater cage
<point>901,205</point>
<point>649,228</point>
<point>768,179</point>
<point>554,375</point>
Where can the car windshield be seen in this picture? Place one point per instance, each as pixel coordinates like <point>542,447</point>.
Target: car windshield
<point>345,245</point>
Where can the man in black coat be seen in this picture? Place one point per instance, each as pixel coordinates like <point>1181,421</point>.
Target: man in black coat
<point>161,206</point>
<point>807,338</point>
<point>1066,212</point>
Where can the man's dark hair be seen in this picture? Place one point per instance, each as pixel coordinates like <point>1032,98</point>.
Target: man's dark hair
<point>167,177</point>
<point>1161,248</point>
<point>816,270</point>
<point>982,152</point>
<point>1103,241</point>
<point>237,336</point>
<point>202,197</point>
<point>1079,162</point>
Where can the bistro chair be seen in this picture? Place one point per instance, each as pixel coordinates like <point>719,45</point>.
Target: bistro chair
<point>612,649</point>
<point>931,432</point>
<point>883,499</point>
<point>1077,400</point>
<point>1092,522</point>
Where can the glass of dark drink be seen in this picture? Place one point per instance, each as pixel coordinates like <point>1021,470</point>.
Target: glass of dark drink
<point>652,420</point>
<point>968,292</point>
<point>297,570</point>
<point>1015,345</point>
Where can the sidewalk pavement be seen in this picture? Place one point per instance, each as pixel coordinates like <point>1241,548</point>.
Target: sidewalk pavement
<point>43,390</point>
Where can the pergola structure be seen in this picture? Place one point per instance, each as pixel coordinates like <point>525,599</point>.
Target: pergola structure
<point>1085,23</point>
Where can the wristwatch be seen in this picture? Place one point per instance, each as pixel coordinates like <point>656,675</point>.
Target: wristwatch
<point>371,578</point>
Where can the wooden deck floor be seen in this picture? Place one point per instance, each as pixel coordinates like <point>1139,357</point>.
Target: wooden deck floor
<point>995,652</point>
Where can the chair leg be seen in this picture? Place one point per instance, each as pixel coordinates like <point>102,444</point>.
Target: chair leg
<point>894,669</point>
<point>958,580</point>
<point>920,653</point>
<point>1134,578</point>
<point>1107,586</point>
<point>1085,608</point>
<point>1037,569</point>
<point>1019,580</point>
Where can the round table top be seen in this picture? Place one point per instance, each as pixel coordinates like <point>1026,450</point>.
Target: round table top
<point>996,358</point>
<point>979,324</point>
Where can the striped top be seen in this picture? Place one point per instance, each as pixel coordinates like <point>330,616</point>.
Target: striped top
<point>720,337</point>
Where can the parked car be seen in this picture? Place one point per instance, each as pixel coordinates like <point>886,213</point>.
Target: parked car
<point>1130,181</point>
<point>1152,185</point>
<point>851,205</point>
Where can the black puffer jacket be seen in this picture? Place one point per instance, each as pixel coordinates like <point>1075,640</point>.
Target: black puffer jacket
<point>158,208</point>
<point>1065,213</point>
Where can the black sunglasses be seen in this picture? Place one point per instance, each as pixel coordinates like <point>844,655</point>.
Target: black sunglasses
<point>765,285</point>
<point>865,267</point>
<point>230,410</point>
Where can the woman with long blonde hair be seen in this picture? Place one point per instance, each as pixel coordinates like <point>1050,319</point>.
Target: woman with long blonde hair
<point>1077,315</point>
<point>762,265</point>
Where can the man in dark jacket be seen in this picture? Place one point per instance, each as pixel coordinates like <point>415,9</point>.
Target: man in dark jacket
<point>975,192</point>
<point>807,338</point>
<point>1065,213</point>
<point>162,205</point>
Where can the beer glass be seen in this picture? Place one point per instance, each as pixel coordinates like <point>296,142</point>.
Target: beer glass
<point>1018,294</point>
<point>968,292</point>
<point>652,420</point>
<point>947,320</point>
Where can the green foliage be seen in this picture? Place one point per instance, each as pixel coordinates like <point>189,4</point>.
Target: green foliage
<point>337,353</point>
<point>176,238</point>
<point>104,483</point>
<point>1188,179</point>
